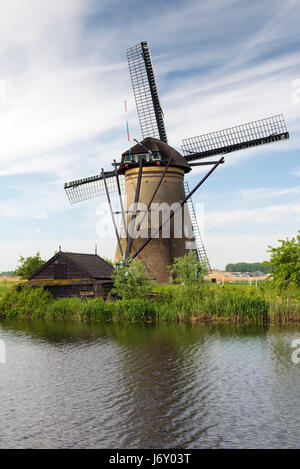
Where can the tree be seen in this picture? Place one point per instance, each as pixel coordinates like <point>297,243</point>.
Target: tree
<point>247,267</point>
<point>8,273</point>
<point>109,261</point>
<point>188,269</point>
<point>131,280</point>
<point>285,262</point>
<point>230,268</point>
<point>28,266</point>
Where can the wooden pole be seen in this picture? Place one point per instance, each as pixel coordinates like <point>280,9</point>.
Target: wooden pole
<point>112,213</point>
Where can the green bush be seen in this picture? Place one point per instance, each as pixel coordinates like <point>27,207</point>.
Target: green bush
<point>27,303</point>
<point>188,270</point>
<point>131,281</point>
<point>284,263</point>
<point>28,266</point>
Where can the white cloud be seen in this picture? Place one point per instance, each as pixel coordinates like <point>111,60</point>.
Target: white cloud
<point>69,89</point>
<point>41,216</point>
<point>258,216</point>
<point>25,205</point>
<point>31,231</point>
<point>296,172</point>
<point>268,192</point>
<point>63,63</point>
<point>55,96</point>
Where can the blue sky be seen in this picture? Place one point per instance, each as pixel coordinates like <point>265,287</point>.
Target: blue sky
<point>63,81</point>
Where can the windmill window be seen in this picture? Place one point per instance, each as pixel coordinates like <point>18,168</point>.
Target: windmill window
<point>141,157</point>
<point>156,156</point>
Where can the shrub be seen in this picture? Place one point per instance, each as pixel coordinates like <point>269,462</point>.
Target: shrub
<point>187,270</point>
<point>285,263</point>
<point>28,266</point>
<point>131,281</point>
<point>29,302</point>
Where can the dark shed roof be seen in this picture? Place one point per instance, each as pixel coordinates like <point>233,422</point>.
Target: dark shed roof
<point>93,264</point>
<point>165,150</point>
<point>89,265</point>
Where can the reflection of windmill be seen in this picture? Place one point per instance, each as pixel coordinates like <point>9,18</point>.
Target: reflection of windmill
<point>152,172</point>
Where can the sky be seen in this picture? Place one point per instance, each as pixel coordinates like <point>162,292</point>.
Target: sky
<point>63,82</point>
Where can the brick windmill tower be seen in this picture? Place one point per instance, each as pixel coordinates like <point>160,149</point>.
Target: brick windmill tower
<point>158,218</point>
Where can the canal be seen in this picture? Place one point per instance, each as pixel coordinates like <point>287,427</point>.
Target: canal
<point>129,385</point>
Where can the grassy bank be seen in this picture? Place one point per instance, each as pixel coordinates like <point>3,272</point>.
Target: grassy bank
<point>235,303</point>
<point>6,281</point>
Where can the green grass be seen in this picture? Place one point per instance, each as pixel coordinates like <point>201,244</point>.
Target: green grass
<point>169,303</point>
<point>4,284</point>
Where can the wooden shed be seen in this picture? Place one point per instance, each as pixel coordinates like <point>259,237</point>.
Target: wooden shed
<point>72,274</point>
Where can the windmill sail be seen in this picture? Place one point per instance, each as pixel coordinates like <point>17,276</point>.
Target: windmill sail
<point>145,92</point>
<point>271,129</point>
<point>90,187</point>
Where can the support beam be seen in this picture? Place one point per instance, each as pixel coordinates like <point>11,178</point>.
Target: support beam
<point>120,198</point>
<point>155,192</point>
<point>203,163</point>
<point>112,214</point>
<point>221,160</point>
<point>136,199</point>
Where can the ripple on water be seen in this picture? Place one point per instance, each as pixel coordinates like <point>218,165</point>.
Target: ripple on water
<point>131,386</point>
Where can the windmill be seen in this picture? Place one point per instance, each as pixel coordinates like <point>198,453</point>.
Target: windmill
<point>158,217</point>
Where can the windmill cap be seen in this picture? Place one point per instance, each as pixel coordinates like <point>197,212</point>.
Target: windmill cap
<point>156,145</point>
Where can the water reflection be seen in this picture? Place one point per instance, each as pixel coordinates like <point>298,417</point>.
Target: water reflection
<point>70,384</point>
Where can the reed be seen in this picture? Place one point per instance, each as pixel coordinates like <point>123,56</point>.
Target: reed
<point>169,303</point>
<point>64,308</point>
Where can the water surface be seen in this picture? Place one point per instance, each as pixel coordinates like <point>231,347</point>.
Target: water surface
<point>111,385</point>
